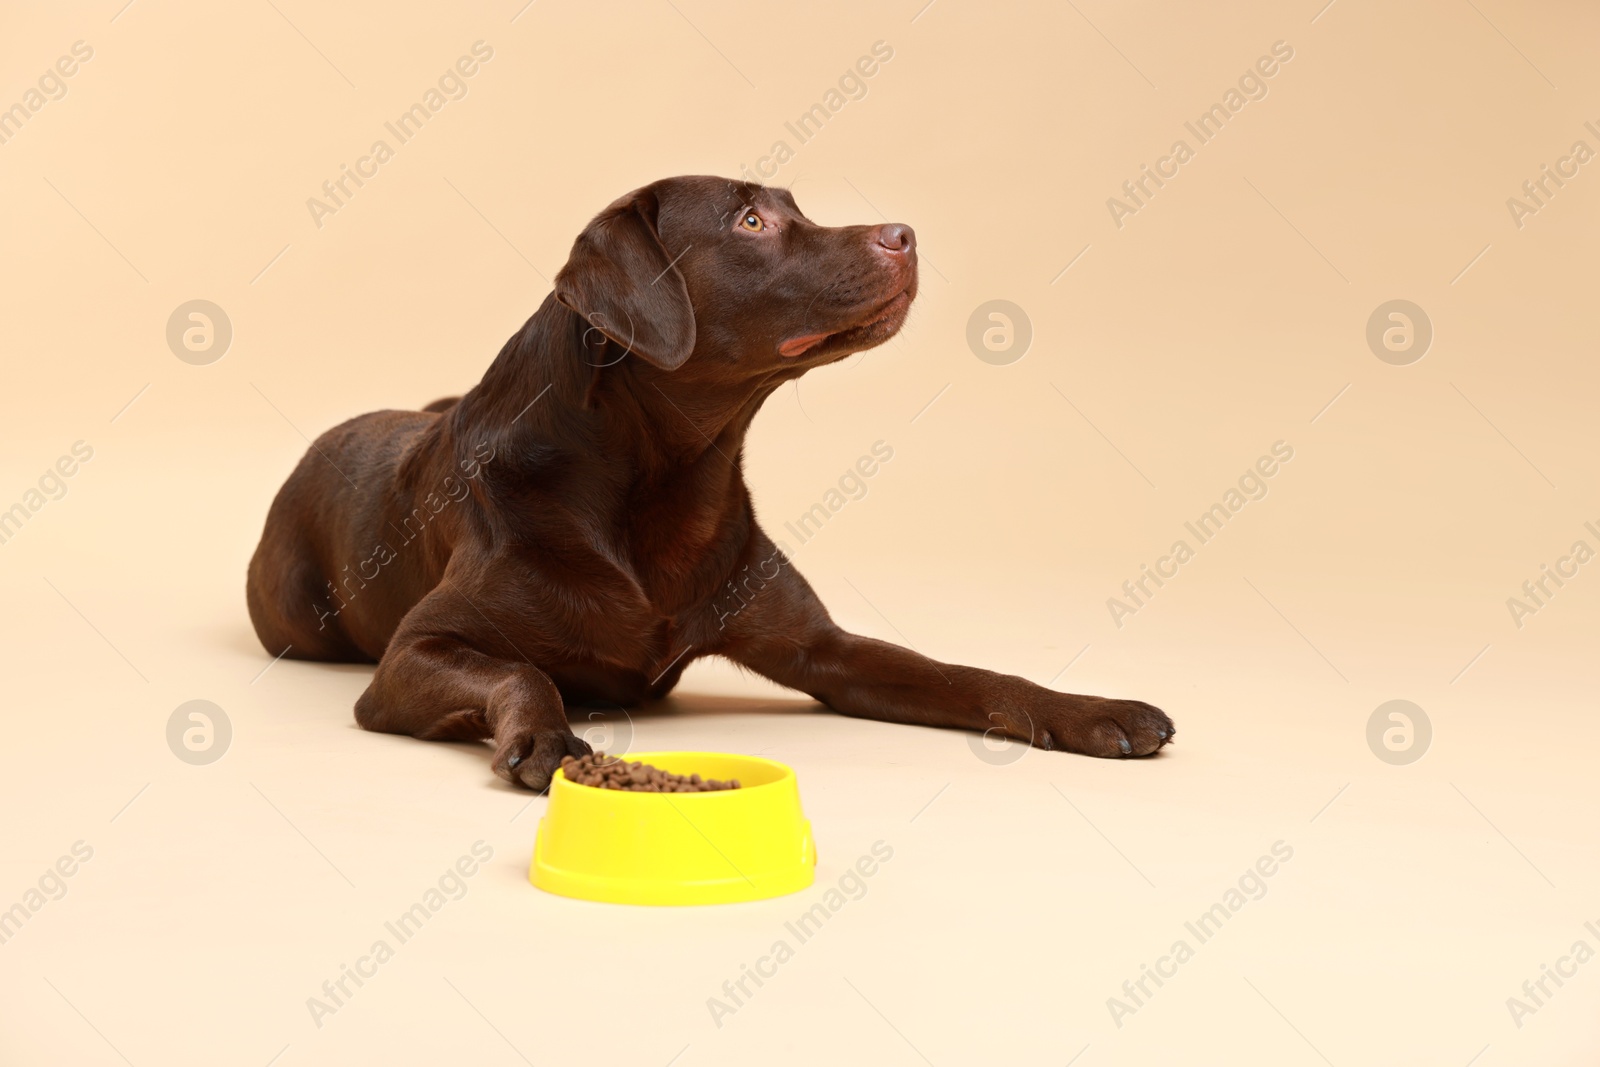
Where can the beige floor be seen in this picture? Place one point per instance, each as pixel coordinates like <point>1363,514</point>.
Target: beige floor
<point>1021,894</point>
<point>1170,349</point>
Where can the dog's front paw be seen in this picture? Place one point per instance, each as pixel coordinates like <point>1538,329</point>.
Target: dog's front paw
<point>531,760</point>
<point>1099,726</point>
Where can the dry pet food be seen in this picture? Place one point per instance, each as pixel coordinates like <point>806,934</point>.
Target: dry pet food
<point>609,772</point>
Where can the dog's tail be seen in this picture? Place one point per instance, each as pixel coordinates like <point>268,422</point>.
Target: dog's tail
<point>443,404</point>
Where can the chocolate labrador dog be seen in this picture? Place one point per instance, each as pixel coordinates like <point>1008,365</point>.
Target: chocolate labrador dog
<point>577,527</point>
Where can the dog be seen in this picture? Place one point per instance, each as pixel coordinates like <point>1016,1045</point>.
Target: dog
<point>577,528</point>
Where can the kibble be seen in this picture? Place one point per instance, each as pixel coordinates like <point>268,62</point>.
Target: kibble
<point>609,772</point>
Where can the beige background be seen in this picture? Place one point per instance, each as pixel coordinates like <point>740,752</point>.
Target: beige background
<point>1224,316</point>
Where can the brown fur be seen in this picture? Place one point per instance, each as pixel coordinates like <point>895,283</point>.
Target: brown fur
<point>577,527</point>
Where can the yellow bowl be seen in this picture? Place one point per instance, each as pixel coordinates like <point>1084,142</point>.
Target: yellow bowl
<point>718,847</point>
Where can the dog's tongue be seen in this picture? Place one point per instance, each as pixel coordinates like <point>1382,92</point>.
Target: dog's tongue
<point>796,346</point>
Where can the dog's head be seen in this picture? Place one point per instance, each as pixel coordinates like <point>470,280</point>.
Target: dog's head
<point>734,275</point>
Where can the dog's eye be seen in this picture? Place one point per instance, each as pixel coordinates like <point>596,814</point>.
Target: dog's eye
<point>752,222</point>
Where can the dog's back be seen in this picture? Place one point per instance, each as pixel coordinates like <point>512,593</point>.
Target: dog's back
<point>311,585</point>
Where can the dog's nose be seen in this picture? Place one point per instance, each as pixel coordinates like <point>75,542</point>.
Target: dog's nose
<point>897,237</point>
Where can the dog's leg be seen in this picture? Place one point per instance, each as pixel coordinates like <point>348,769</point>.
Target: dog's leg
<point>433,683</point>
<point>783,632</point>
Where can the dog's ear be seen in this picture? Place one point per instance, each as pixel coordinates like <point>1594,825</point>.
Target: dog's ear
<point>621,279</point>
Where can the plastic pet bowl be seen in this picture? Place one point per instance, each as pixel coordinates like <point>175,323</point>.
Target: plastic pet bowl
<point>717,847</point>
